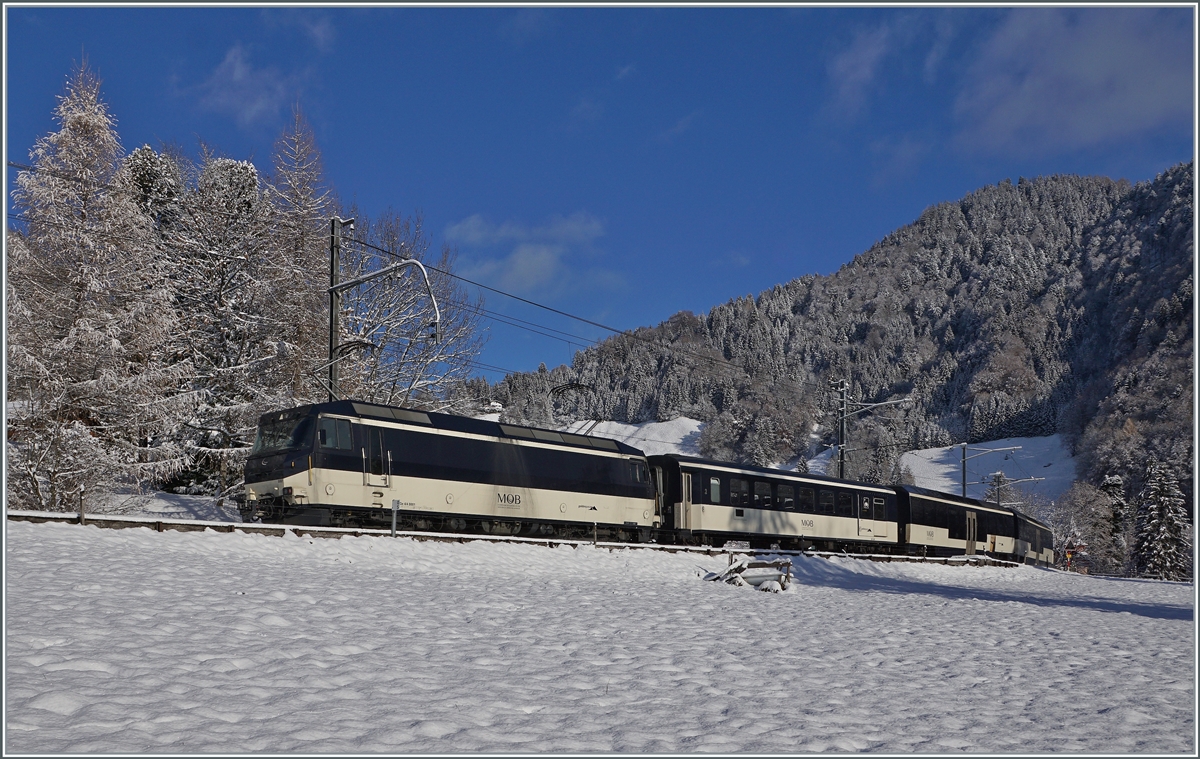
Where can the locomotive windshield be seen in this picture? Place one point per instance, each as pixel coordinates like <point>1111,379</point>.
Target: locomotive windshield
<point>283,434</point>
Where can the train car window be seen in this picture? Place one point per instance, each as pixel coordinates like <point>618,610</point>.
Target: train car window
<point>368,410</point>
<point>762,495</point>
<point>880,511</point>
<point>516,431</point>
<point>845,505</point>
<point>864,508</point>
<point>375,449</point>
<point>807,504</point>
<point>697,488</point>
<point>607,445</point>
<point>786,499</point>
<point>827,501</point>
<point>576,439</point>
<point>739,492</point>
<point>551,436</point>
<point>334,433</point>
<point>714,489</point>
<point>405,415</point>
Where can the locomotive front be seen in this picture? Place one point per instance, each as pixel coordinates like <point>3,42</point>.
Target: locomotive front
<point>279,469</point>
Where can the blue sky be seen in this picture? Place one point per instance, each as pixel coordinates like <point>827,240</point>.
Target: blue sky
<point>624,164</point>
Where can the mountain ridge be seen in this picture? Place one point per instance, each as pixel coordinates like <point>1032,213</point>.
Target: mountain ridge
<point>1060,304</point>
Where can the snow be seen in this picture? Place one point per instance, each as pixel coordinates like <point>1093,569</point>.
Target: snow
<point>136,641</point>
<point>1047,457</point>
<point>680,435</point>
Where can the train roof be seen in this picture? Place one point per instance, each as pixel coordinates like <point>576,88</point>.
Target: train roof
<point>455,423</point>
<point>914,490</point>
<point>682,459</point>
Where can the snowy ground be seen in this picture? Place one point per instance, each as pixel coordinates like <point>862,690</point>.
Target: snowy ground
<point>135,641</point>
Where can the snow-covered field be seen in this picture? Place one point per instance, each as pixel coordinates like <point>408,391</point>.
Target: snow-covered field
<point>136,641</point>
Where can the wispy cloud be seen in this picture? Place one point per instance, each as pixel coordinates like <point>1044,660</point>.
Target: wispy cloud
<point>587,109</point>
<point>314,23</point>
<point>853,71</point>
<point>547,259</point>
<point>681,126</point>
<point>527,24</point>
<point>251,95</point>
<point>1050,78</point>
<point>896,157</point>
<point>625,71</point>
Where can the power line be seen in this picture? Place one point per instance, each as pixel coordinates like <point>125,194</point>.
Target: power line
<point>661,345</point>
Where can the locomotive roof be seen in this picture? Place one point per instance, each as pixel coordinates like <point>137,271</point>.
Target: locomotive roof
<point>455,423</point>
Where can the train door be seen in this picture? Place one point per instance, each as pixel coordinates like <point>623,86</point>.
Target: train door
<point>377,461</point>
<point>659,495</point>
<point>972,528</point>
<point>866,517</point>
<point>685,498</point>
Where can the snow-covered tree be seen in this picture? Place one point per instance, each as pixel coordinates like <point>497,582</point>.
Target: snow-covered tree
<point>298,266</point>
<point>1163,539</point>
<point>390,318</point>
<point>220,254</point>
<point>93,394</point>
<point>1083,516</point>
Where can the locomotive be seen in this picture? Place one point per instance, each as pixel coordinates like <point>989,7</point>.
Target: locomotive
<point>352,464</point>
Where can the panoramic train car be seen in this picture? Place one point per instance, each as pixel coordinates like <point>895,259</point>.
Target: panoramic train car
<point>1035,541</point>
<point>710,502</point>
<point>343,464</point>
<point>940,524</point>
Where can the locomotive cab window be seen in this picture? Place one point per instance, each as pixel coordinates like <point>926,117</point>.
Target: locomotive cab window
<point>714,489</point>
<point>864,511</point>
<point>762,495</point>
<point>283,434</point>
<point>334,433</point>
<point>786,499</point>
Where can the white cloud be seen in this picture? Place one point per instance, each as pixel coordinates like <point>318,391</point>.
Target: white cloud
<point>547,260</point>
<point>248,94</point>
<point>625,71</point>
<point>587,110</point>
<point>578,228</point>
<point>527,24</point>
<point>1050,78</point>
<point>853,71</point>
<point>679,127</point>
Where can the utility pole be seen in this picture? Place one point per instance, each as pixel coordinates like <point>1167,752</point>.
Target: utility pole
<point>335,298</point>
<point>336,287</point>
<point>999,481</point>
<point>844,403</point>
<point>983,451</point>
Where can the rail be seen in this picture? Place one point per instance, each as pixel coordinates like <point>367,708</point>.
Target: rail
<point>157,524</point>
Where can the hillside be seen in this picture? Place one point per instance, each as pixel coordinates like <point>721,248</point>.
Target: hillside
<point>1057,305</point>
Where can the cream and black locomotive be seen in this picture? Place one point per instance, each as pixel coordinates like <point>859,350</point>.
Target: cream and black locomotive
<point>352,464</point>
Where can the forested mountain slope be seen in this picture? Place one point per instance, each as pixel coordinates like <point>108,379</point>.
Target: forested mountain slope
<point>1057,304</point>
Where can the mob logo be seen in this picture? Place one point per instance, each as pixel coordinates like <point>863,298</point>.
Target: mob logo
<point>508,499</point>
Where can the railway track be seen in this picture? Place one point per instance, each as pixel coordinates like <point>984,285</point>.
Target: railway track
<point>157,524</point>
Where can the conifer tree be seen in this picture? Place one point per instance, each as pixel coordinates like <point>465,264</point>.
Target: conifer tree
<point>92,394</point>
<point>1163,539</point>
